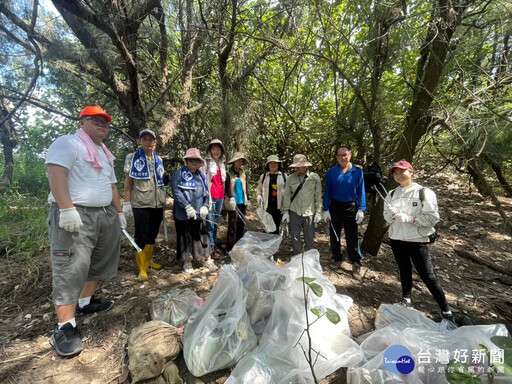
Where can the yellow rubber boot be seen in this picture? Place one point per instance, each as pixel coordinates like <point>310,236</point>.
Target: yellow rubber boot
<point>149,257</point>
<point>141,263</point>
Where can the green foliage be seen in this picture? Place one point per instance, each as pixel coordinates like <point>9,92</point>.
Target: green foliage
<point>333,316</point>
<point>316,288</point>
<point>23,228</point>
<point>504,343</point>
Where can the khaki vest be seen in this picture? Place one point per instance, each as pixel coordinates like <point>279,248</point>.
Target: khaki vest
<point>232,180</point>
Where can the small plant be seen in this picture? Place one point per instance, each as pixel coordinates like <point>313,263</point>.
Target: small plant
<point>312,355</point>
<point>460,373</point>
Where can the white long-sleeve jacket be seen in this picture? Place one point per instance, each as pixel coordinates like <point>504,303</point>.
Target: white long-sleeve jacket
<point>407,200</point>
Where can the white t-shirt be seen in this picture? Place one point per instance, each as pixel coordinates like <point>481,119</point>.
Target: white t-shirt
<point>88,186</point>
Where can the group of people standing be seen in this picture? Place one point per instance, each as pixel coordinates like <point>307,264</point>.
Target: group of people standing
<point>86,216</point>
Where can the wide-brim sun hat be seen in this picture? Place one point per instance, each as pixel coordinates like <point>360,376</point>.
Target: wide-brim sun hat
<point>402,164</point>
<point>216,142</point>
<point>300,161</point>
<point>273,159</point>
<point>95,111</point>
<point>193,153</point>
<point>238,156</point>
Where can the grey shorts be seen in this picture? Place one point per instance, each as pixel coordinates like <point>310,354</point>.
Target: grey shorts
<point>89,255</point>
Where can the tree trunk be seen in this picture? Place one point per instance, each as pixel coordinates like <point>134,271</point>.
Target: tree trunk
<point>499,175</point>
<point>507,222</point>
<point>9,141</point>
<point>478,179</point>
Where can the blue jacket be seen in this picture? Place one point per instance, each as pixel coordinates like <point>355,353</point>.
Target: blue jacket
<point>198,197</point>
<point>344,187</point>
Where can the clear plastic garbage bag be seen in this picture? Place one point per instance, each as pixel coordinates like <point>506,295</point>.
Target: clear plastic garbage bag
<point>424,338</point>
<point>266,219</point>
<point>263,245</point>
<point>175,306</point>
<point>220,334</point>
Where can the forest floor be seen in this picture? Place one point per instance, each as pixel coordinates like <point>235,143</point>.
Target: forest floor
<point>470,230</point>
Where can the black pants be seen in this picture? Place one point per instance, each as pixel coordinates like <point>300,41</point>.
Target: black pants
<point>405,252</point>
<point>235,226</point>
<point>343,215</point>
<point>277,216</point>
<point>191,234</point>
<point>147,224</point>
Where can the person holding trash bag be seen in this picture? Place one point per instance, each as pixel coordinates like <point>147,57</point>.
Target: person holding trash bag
<point>85,222</point>
<point>215,172</point>
<point>412,212</point>
<point>302,203</point>
<point>270,189</point>
<point>191,207</point>
<point>344,204</point>
<point>144,198</point>
<point>236,200</point>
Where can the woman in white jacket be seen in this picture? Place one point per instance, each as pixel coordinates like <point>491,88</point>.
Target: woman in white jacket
<point>412,212</point>
<point>271,189</point>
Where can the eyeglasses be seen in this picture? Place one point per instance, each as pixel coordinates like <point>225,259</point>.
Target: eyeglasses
<point>194,160</point>
<point>99,123</point>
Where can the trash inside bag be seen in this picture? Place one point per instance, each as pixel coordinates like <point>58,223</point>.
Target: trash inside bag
<point>150,347</point>
<point>175,306</point>
<point>219,334</point>
<point>431,345</point>
<point>263,245</point>
<point>266,219</point>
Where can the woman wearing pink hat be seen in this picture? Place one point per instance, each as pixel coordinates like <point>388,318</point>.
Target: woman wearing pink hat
<point>191,206</point>
<point>412,212</point>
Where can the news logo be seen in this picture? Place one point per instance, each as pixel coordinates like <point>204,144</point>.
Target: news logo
<point>398,359</point>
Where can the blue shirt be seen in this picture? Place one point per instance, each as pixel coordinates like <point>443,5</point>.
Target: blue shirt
<point>344,187</point>
<point>197,198</point>
<point>239,192</point>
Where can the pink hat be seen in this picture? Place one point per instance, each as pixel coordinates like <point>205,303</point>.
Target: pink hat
<point>402,164</point>
<point>193,153</point>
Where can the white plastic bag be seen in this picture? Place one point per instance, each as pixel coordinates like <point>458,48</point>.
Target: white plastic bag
<point>175,306</point>
<point>266,219</point>
<point>219,334</point>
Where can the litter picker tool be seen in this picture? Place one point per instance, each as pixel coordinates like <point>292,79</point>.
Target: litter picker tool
<point>242,216</point>
<point>132,242</point>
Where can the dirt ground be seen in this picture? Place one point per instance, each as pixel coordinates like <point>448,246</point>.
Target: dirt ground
<point>470,230</point>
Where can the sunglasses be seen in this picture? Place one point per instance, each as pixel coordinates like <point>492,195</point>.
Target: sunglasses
<point>194,160</point>
<point>99,123</point>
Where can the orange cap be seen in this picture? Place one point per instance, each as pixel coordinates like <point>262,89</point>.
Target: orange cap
<point>94,111</point>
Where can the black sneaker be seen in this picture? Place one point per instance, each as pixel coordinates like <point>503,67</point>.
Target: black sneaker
<point>450,318</point>
<point>95,306</point>
<point>66,341</point>
<point>404,303</point>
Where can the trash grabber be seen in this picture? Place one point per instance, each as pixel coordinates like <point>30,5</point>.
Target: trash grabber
<point>132,242</point>
<point>334,231</point>
<point>241,216</point>
<point>166,235</point>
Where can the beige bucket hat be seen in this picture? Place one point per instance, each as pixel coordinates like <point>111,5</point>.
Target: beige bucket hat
<point>238,156</point>
<point>300,161</point>
<point>193,153</point>
<point>273,159</point>
<point>216,142</point>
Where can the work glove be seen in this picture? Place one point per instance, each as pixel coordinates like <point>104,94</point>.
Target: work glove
<point>203,212</point>
<point>403,218</point>
<point>359,217</point>
<point>317,218</point>
<point>286,217</point>
<point>69,219</point>
<point>122,220</point>
<point>260,200</point>
<point>327,216</point>
<point>191,212</point>
<point>127,209</point>
<point>232,203</point>
<point>394,210</point>
<point>249,205</point>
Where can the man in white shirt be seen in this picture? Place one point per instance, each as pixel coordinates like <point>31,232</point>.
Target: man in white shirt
<point>85,222</point>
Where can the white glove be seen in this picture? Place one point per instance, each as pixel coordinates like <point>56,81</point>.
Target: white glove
<point>394,210</point>
<point>232,203</point>
<point>286,217</point>
<point>127,209</point>
<point>403,218</point>
<point>69,219</point>
<point>203,212</point>
<point>359,217</point>
<point>317,218</point>
<point>327,216</point>
<point>249,205</point>
<point>260,200</point>
<point>191,212</point>
<point>122,220</point>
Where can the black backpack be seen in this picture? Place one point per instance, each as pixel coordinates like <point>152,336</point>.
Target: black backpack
<point>265,175</point>
<point>432,237</point>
